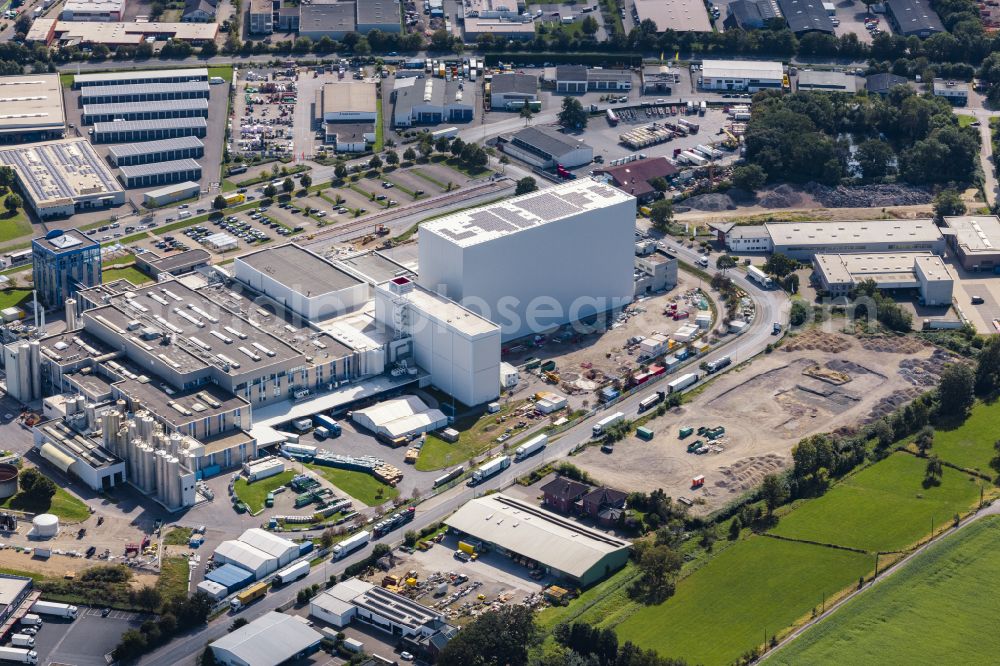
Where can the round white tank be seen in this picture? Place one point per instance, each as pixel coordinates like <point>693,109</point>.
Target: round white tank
<point>45,525</point>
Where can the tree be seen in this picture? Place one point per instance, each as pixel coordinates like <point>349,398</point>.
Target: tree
<point>589,26</point>
<point>457,146</point>
<point>734,528</point>
<point>933,472</point>
<point>572,115</point>
<point>36,487</point>
<point>955,390</point>
<point>661,213</point>
<point>305,180</point>
<point>131,646</point>
<point>924,439</point>
<point>270,191</point>
<point>440,41</point>
<point>499,637</point>
<point>375,163</point>
<point>525,185</point>
<point>391,157</point>
<point>875,159</point>
<point>409,154</point>
<point>209,49</point>
<point>287,185</point>
<point>219,202</point>
<point>148,597</point>
<point>946,204</point>
<point>659,184</point>
<point>798,314</point>
<point>659,566</point>
<point>340,171</point>
<point>12,202</point>
<point>774,490</point>
<point>725,262</point>
<point>749,177</point>
<point>326,539</point>
<point>988,368</point>
<point>527,114</point>
<point>237,623</point>
<point>780,265</point>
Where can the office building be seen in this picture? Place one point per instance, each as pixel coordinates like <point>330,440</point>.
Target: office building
<point>742,75</point>
<point>163,150</point>
<point>270,640</point>
<point>512,91</point>
<point>658,80</point>
<point>199,11</point>
<point>31,108</point>
<point>560,546</point>
<point>654,273</point>
<point>923,272</point>
<point>261,17</point>
<point>63,263</point>
<point>430,101</point>
<point>913,18</point>
<point>975,239</point>
<point>956,92</point>
<point>547,148</point>
<point>564,253</point>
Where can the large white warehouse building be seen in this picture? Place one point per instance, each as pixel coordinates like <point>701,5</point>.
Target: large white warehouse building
<point>257,551</point>
<point>538,260</point>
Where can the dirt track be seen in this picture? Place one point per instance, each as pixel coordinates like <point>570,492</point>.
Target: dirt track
<point>824,381</point>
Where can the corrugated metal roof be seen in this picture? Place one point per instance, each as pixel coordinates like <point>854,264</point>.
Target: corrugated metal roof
<point>124,108</point>
<point>269,640</point>
<point>156,168</point>
<point>161,123</point>
<point>151,147</point>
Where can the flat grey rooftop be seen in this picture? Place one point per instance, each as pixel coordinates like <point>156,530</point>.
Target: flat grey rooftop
<point>300,270</point>
<point>374,267</point>
<point>160,123</point>
<point>181,407</point>
<point>119,150</point>
<point>157,168</point>
<point>143,88</point>
<point>194,73</point>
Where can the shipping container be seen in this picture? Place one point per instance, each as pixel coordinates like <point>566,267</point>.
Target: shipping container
<point>644,433</point>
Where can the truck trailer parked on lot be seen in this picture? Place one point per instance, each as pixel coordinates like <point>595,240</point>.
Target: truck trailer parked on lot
<point>488,469</point>
<point>53,608</point>
<point>293,572</point>
<point>601,426</point>
<point>22,640</point>
<point>351,544</point>
<point>324,421</point>
<point>31,620</point>
<point>248,596</point>
<point>18,655</point>
<point>760,277</point>
<point>531,447</point>
<point>682,382</point>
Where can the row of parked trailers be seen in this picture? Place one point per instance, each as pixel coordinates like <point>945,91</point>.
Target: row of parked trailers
<point>657,133</point>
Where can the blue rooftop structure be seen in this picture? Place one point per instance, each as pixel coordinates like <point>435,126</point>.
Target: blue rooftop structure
<point>232,576</point>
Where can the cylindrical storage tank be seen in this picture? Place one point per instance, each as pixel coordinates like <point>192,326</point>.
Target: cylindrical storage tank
<point>161,474</point>
<point>36,369</point>
<point>8,481</point>
<point>148,469</point>
<point>175,443</point>
<point>24,372</point>
<point>146,428</point>
<point>71,314</point>
<point>45,526</point>
<point>91,410</point>
<point>174,481</point>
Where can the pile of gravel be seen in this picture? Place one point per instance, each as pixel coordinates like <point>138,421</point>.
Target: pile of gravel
<point>783,196</point>
<point>711,203</point>
<point>868,196</point>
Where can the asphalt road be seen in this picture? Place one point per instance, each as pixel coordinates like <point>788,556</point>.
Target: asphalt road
<point>771,306</point>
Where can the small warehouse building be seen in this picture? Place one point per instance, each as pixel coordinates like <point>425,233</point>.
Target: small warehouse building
<point>750,14</point>
<point>546,148</point>
<point>924,272</point>
<point>809,80</point>
<point>677,15</point>
<point>164,150</point>
<point>318,20</point>
<point>881,84</point>
<point>347,101</point>
<point>913,18</point>
<point>429,101</point>
<point>956,92</point>
<point>231,577</point>
<point>78,455</point>
<point>564,547</point>
<point>177,108</point>
<point>742,238</point>
<point>634,177</point>
<point>805,16</point>
<point>154,265</point>
<point>512,91</point>
<point>258,552</point>
<point>655,272</point>
<point>380,15</point>
<point>803,240</point>
<point>31,108</point>
<point>171,194</point>
<point>975,240</point>
<point>143,92</point>
<point>159,173</point>
<point>579,79</point>
<point>270,640</point>
<point>743,75</point>
<point>400,417</point>
<point>658,80</point>
<point>148,130</point>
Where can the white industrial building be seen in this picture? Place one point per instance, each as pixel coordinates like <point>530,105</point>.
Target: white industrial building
<point>537,261</point>
<point>347,102</point>
<point>459,348</point>
<point>512,91</point>
<point>355,599</point>
<point>546,148</point>
<point>258,551</point>
<point>924,272</point>
<point>748,75</point>
<point>301,281</point>
<point>270,640</point>
<point>400,417</point>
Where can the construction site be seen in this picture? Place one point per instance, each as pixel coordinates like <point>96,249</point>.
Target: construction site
<point>807,386</point>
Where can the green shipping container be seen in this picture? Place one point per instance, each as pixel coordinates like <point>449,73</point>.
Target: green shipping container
<point>548,366</point>
<point>644,433</point>
<point>686,432</point>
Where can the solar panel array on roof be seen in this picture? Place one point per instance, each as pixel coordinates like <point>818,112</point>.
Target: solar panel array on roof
<point>547,206</point>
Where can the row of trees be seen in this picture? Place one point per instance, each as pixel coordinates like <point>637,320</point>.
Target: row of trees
<point>178,615</point>
<point>912,138</point>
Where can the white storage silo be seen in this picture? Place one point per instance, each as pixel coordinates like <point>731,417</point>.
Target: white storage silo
<point>44,526</point>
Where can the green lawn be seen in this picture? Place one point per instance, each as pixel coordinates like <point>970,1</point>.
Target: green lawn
<point>359,485</point>
<point>131,273</point>
<point>173,578</point>
<point>429,178</point>
<point>477,433</point>
<point>62,504</point>
<point>12,297</point>
<point>883,507</point>
<point>939,609</point>
<point>179,536</point>
<point>758,585</point>
<point>254,494</point>
<point>228,186</point>
<point>964,120</point>
<point>225,71</point>
<point>379,130</point>
<point>970,445</point>
<point>118,261</point>
<point>13,225</point>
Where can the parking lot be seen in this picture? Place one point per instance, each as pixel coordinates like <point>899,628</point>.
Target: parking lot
<point>264,108</point>
<point>85,641</point>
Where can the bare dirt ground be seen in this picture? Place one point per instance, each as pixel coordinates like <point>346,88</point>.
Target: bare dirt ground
<point>816,382</point>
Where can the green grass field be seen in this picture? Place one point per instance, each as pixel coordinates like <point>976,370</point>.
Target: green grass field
<point>964,120</point>
<point>11,297</point>
<point>225,71</point>
<point>883,507</point>
<point>118,261</point>
<point>970,445</point>
<point>131,273</point>
<point>62,504</point>
<point>13,225</point>
<point>939,609</point>
<point>476,435</point>
<point>254,494</point>
<point>759,585</point>
<point>179,536</point>
<point>173,580</point>
<point>361,486</point>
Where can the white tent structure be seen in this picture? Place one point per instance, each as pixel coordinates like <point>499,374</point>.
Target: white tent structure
<point>400,417</point>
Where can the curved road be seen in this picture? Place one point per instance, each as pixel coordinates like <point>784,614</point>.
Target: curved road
<point>771,307</point>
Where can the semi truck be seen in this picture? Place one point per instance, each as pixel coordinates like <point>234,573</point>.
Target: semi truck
<point>449,476</point>
<point>294,572</point>
<point>53,608</point>
<point>488,469</point>
<point>18,655</point>
<point>22,640</point>
<point>760,277</point>
<point>248,596</point>
<point>531,447</point>
<point>606,423</point>
<point>324,421</point>
<point>682,382</point>
<point>718,364</point>
<point>651,401</point>
<point>351,544</point>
